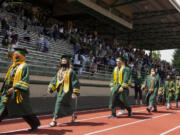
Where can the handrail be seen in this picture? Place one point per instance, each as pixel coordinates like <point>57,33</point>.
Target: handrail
<point>47,82</point>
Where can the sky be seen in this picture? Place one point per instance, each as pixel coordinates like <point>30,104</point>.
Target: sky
<point>167,55</point>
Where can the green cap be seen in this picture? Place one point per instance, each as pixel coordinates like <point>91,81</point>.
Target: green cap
<point>122,58</point>
<point>66,57</point>
<point>22,51</point>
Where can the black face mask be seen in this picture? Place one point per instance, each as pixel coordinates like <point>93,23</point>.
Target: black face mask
<point>64,65</point>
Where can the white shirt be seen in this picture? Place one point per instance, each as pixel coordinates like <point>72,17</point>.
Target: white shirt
<point>11,49</point>
<point>76,60</point>
<point>41,40</point>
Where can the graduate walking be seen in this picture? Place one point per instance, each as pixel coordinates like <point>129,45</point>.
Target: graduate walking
<point>14,94</point>
<point>119,87</point>
<point>67,87</point>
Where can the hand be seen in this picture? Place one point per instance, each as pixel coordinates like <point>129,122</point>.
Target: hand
<point>111,88</point>
<point>151,91</point>
<point>10,91</point>
<point>48,91</point>
<point>74,96</point>
<point>143,87</point>
<point>121,89</point>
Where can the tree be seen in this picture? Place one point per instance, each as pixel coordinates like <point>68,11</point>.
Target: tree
<point>176,59</point>
<point>156,55</point>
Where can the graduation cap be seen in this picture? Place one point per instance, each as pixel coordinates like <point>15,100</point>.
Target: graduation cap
<point>22,51</point>
<point>66,57</point>
<point>168,77</point>
<point>121,58</point>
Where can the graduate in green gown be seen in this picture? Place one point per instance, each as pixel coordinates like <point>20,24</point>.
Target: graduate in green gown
<point>14,94</point>
<point>122,108</point>
<point>119,87</point>
<point>169,90</point>
<point>67,87</point>
<point>138,83</point>
<point>177,90</point>
<point>152,84</point>
<point>161,95</point>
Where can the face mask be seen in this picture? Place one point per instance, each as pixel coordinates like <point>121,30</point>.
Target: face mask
<point>64,65</point>
<point>152,73</point>
<point>16,58</point>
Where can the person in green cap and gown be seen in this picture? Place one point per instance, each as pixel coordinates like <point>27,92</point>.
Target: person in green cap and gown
<point>177,90</point>
<point>14,94</point>
<point>169,90</point>
<point>119,87</point>
<point>152,83</point>
<point>67,87</point>
<point>161,95</point>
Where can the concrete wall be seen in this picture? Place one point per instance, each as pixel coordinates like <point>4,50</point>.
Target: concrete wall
<point>91,97</point>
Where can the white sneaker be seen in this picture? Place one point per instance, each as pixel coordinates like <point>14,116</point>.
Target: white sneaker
<point>121,112</point>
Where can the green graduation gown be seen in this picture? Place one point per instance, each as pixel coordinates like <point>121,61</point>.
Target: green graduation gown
<point>177,90</point>
<point>17,104</point>
<point>120,78</point>
<point>63,106</point>
<point>151,97</point>
<point>169,89</point>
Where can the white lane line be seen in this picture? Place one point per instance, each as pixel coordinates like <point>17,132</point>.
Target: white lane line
<point>168,131</point>
<point>84,111</point>
<point>45,126</point>
<point>127,124</point>
<point>41,116</point>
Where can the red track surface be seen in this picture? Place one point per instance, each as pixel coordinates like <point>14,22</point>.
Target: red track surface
<point>165,122</point>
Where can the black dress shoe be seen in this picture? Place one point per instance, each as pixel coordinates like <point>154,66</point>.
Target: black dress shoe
<point>33,129</point>
<point>130,112</point>
<point>155,110</point>
<point>148,110</point>
<point>112,117</point>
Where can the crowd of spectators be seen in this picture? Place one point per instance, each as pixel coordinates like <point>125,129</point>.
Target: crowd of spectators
<point>91,52</point>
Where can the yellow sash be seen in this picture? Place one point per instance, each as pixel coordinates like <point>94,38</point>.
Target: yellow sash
<point>65,82</point>
<point>177,87</point>
<point>120,75</point>
<point>17,79</point>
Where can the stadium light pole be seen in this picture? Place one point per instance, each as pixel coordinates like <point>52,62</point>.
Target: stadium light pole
<point>176,4</point>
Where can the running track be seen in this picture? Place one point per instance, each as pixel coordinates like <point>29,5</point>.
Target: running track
<point>95,122</point>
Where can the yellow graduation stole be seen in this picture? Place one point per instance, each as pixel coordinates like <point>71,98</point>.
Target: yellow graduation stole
<point>170,86</point>
<point>120,75</point>
<point>17,80</point>
<point>152,84</point>
<point>65,81</point>
<point>177,87</point>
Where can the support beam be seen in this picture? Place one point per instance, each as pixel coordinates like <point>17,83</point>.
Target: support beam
<point>96,10</point>
<point>151,14</point>
<point>152,32</point>
<point>142,27</point>
<point>126,2</point>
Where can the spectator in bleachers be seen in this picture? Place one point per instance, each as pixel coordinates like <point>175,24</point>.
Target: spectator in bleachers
<point>4,25</point>
<point>11,47</point>
<point>55,33</point>
<point>25,24</point>
<point>5,42</point>
<point>27,36</point>
<point>61,32</point>
<point>40,42</point>
<point>83,61</point>
<point>14,21</point>
<point>112,62</point>
<point>77,47</point>
<point>77,62</point>
<point>46,45</point>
